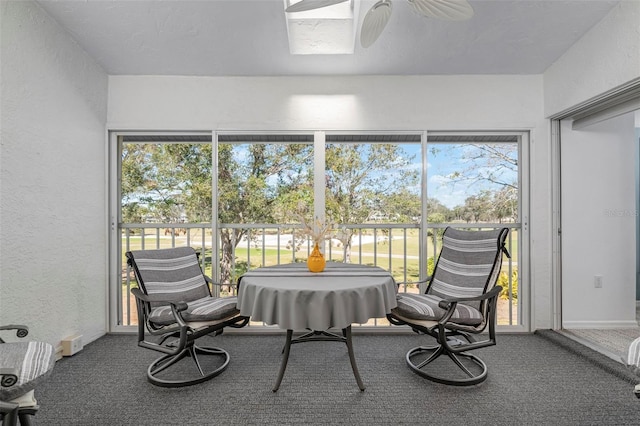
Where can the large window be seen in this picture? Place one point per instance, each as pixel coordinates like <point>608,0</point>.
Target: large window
<point>243,201</point>
<point>264,184</point>
<point>164,197</point>
<point>476,181</point>
<point>373,180</point>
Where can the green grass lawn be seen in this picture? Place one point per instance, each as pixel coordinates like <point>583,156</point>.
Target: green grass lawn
<point>390,255</point>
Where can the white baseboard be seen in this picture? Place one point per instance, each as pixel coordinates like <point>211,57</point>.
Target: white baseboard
<point>88,338</point>
<point>600,324</point>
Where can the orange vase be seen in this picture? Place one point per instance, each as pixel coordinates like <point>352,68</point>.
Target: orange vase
<point>316,261</point>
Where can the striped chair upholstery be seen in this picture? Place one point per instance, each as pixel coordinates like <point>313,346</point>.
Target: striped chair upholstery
<point>175,276</point>
<point>23,366</point>
<point>468,266</point>
<point>425,307</point>
<point>199,310</point>
<point>31,363</point>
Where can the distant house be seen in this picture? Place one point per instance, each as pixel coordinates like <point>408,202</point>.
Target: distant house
<point>378,215</point>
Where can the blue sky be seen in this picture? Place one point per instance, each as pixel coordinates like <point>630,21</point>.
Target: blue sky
<point>449,159</point>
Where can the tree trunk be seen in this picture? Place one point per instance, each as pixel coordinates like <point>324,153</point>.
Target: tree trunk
<point>226,262</point>
<point>346,254</point>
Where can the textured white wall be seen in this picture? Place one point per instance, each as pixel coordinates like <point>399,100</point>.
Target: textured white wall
<point>598,224</point>
<point>604,58</point>
<point>52,196</point>
<point>597,173</point>
<point>327,103</point>
<point>355,103</point>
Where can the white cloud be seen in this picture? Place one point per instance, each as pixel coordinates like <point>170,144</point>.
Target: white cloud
<point>439,180</point>
<point>441,189</point>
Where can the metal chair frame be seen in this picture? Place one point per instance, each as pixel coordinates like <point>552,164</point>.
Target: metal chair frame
<point>178,340</point>
<point>453,339</point>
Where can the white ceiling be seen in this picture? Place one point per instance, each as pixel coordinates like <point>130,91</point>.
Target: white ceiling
<point>249,37</point>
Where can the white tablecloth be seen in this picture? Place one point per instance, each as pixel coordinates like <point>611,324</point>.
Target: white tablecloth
<point>296,299</point>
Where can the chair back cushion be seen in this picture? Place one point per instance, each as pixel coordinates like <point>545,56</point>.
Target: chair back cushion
<point>174,274</point>
<point>469,263</point>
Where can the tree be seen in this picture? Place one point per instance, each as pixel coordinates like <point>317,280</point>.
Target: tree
<point>402,205</point>
<point>479,206</point>
<point>435,233</point>
<point>361,178</point>
<point>258,183</point>
<point>490,168</point>
<point>166,182</point>
<point>505,204</point>
<point>495,163</point>
<point>263,183</point>
<point>195,172</point>
<point>436,207</point>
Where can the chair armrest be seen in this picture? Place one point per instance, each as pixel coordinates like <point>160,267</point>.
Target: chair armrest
<point>420,282</point>
<point>447,303</point>
<point>151,298</point>
<point>8,376</point>
<point>451,303</point>
<point>212,282</point>
<point>21,330</point>
<point>426,280</point>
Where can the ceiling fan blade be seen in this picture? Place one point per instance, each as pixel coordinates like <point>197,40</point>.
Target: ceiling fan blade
<point>448,10</point>
<point>374,22</point>
<point>305,5</point>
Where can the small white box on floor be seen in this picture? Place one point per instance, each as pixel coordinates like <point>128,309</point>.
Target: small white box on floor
<point>71,345</point>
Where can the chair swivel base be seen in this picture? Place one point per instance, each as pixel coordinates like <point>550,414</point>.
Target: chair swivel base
<point>167,361</point>
<point>12,414</point>
<point>423,370</point>
<point>26,414</point>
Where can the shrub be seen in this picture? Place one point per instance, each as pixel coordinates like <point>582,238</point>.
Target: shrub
<point>431,264</point>
<point>503,280</point>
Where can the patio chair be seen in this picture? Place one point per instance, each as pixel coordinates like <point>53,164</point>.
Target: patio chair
<point>176,307</point>
<point>23,366</point>
<point>458,303</point>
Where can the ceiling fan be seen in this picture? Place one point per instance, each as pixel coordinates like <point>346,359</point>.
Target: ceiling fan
<point>377,17</point>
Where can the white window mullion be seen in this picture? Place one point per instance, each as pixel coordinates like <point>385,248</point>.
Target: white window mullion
<point>115,287</point>
<point>423,240</point>
<point>319,139</point>
<point>215,243</point>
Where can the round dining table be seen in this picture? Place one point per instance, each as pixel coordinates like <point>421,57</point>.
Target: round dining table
<point>293,298</point>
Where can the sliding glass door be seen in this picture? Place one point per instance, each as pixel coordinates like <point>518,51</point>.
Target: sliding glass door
<point>478,181</point>
<point>162,198</point>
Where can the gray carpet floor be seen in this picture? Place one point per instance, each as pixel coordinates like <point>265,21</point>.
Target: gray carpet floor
<point>540,379</point>
<point>611,342</point>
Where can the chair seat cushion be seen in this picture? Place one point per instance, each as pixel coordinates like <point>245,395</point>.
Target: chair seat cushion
<point>425,307</point>
<point>31,362</point>
<point>204,309</point>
